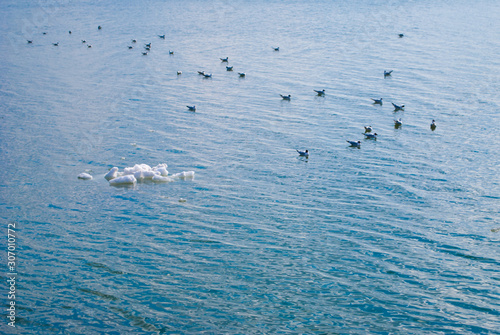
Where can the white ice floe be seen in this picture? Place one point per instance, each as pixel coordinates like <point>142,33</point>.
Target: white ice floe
<point>123,180</point>
<point>85,176</point>
<point>112,174</point>
<point>142,172</point>
<point>184,175</point>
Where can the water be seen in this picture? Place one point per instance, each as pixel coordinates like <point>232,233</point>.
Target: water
<point>400,236</point>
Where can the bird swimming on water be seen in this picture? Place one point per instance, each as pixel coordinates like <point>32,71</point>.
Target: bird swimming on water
<point>433,125</point>
<point>398,123</point>
<point>356,144</point>
<point>320,93</point>
<point>368,129</point>
<point>286,97</point>
<point>229,68</point>
<point>55,44</point>
<point>276,48</point>
<point>242,74</point>
<point>29,41</point>
<point>191,108</point>
<point>371,136</point>
<point>225,60</point>
<point>387,73</point>
<point>303,153</point>
<point>398,108</point>
<point>377,101</point>
<point>161,36</point>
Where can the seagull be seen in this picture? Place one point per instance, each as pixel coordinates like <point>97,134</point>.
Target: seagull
<point>148,45</point>
<point>83,41</point>
<point>179,73</point>
<point>242,74</point>
<point>320,93</point>
<point>144,53</point>
<point>371,136</point>
<point>368,129</point>
<point>69,32</point>
<point>377,101</point>
<point>229,68</point>
<point>387,73</point>
<point>29,41</point>
<point>398,123</point>
<point>44,33</point>
<point>207,75</point>
<point>147,48</point>
<point>89,46</point>
<point>170,52</point>
<point>99,27</point>
<point>433,125</point>
<point>286,97</point>
<point>55,44</point>
<point>134,41</point>
<point>276,49</point>
<point>398,108</point>
<point>201,72</point>
<point>356,144</point>
<point>401,35</point>
<point>130,47</point>
<point>191,108</point>
<point>161,36</point>
<point>225,60</point>
<point>303,153</point>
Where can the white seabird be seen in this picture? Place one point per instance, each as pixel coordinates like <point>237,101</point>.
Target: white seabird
<point>377,101</point>
<point>398,108</point>
<point>354,143</point>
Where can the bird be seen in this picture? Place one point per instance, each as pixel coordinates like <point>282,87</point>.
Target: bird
<point>398,108</point>
<point>69,32</point>
<point>44,33</point>
<point>145,53</point>
<point>191,108</point>
<point>377,101</point>
<point>55,44</point>
<point>303,153</point>
<point>276,48</point>
<point>433,125</point>
<point>161,36</point>
<point>134,41</point>
<point>225,60</point>
<point>356,144</point>
<point>229,68</point>
<point>398,123</point>
<point>242,74</point>
<point>29,41</point>
<point>401,35</point>
<point>368,129</point>
<point>170,52</point>
<point>83,41</point>
<point>387,73</point>
<point>207,75</point>
<point>99,27</point>
<point>148,45</point>
<point>286,97</point>
<point>201,72</point>
<point>320,93</point>
<point>371,136</point>
<point>179,73</point>
<point>130,47</point>
<point>89,46</point>
<point>147,48</point>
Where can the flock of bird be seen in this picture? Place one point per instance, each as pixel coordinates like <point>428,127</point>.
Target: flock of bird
<point>357,144</point>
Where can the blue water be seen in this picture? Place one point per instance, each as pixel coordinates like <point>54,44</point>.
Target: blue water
<point>400,236</point>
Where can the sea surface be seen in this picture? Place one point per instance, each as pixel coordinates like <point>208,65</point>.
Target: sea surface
<point>400,236</point>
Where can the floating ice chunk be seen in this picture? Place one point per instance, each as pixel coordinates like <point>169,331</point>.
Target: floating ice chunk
<point>85,176</point>
<point>123,180</point>
<point>136,168</point>
<point>145,174</point>
<point>163,171</point>
<point>161,179</point>
<point>184,175</point>
<point>112,174</point>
